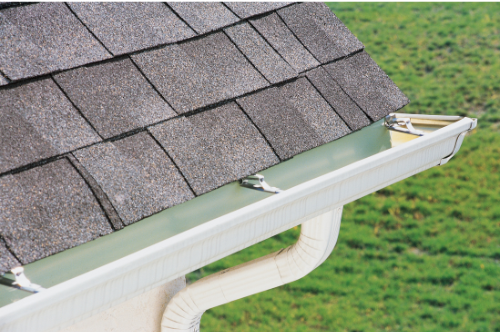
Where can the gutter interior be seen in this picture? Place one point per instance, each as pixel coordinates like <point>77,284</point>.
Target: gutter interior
<point>306,166</point>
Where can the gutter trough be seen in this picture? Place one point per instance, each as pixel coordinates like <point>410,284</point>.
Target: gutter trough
<point>184,238</point>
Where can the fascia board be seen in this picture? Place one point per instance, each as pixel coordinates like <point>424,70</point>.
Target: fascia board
<point>97,290</point>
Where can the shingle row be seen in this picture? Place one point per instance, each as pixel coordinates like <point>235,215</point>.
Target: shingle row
<point>39,122</point>
<point>131,26</point>
<point>43,38</point>
<point>200,72</point>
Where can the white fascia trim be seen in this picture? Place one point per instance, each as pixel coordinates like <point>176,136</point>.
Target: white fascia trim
<point>97,290</point>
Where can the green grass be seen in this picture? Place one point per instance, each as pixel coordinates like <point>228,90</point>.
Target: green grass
<point>423,254</point>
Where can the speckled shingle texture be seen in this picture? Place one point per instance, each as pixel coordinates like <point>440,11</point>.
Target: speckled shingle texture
<point>215,147</point>
<point>368,85</point>
<point>338,99</point>
<point>314,110</point>
<point>260,53</point>
<point>111,112</point>
<point>114,96</point>
<point>125,27</point>
<point>204,16</point>
<point>247,9</point>
<point>101,196</point>
<point>282,39</point>
<point>3,80</point>
<point>43,38</point>
<point>48,209</point>
<point>322,33</point>
<point>37,121</point>
<point>136,175</point>
<point>200,72</point>
<point>281,123</point>
<point>7,260</point>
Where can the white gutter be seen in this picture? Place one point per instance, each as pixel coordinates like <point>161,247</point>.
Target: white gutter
<point>318,237</point>
<point>97,290</point>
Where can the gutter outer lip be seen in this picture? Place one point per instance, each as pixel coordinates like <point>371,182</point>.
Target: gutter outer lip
<point>97,290</point>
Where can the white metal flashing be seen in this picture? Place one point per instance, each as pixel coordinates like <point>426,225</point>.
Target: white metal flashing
<point>97,290</point>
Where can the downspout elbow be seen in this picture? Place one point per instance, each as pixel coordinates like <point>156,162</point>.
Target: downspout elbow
<point>317,239</point>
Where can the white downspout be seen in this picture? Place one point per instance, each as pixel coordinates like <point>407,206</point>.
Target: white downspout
<point>317,239</point>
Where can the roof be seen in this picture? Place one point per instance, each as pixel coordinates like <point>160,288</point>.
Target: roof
<point>112,112</point>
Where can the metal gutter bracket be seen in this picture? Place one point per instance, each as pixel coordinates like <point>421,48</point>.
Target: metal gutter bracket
<point>261,185</point>
<point>22,282</point>
<point>458,143</point>
<point>392,122</point>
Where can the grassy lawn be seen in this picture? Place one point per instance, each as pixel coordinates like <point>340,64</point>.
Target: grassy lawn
<point>423,254</point>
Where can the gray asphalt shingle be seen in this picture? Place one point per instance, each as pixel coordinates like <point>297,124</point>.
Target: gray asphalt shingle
<point>204,16</point>
<point>101,196</point>
<point>7,260</point>
<point>199,72</point>
<point>371,88</point>
<point>260,53</point>
<point>215,147</point>
<point>284,42</point>
<point>125,27</point>
<point>338,99</point>
<point>136,175</point>
<point>48,209</point>
<point>37,121</point>
<point>114,97</point>
<point>42,38</point>
<point>3,80</point>
<point>247,9</point>
<point>324,35</point>
<point>315,110</point>
<point>280,122</point>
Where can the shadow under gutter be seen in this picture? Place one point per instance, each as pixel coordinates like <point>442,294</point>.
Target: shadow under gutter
<point>87,294</point>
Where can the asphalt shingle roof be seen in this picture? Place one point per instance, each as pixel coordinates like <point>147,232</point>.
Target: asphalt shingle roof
<point>42,38</point>
<point>199,73</point>
<point>367,85</point>
<point>8,260</point>
<point>215,147</point>
<point>204,17</point>
<point>321,32</point>
<point>37,122</point>
<point>114,97</point>
<point>131,26</point>
<point>247,9</point>
<point>3,80</point>
<point>136,175</point>
<point>48,209</point>
<point>274,30</point>
<point>188,98</point>
<point>260,53</point>
<point>338,99</point>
